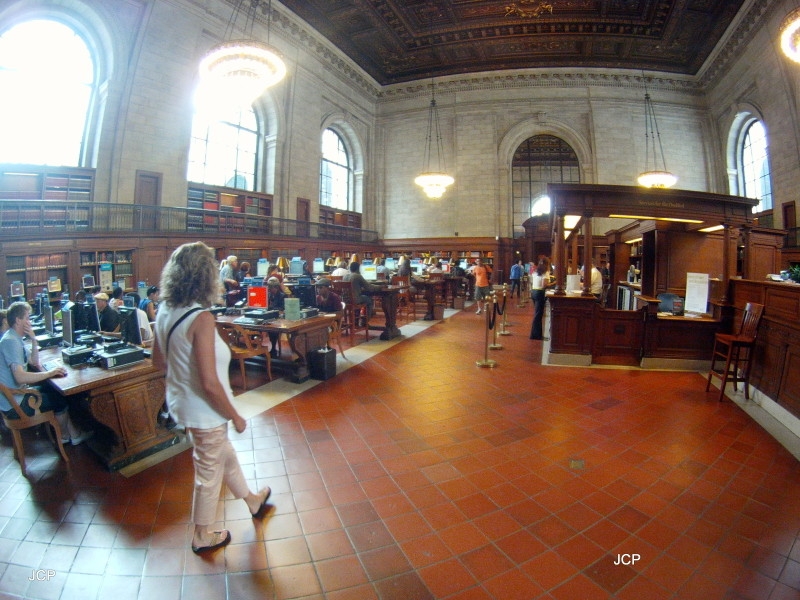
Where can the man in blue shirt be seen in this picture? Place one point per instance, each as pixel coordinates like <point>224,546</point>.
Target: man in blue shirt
<point>516,277</point>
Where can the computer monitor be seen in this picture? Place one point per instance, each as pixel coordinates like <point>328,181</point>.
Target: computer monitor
<point>54,285</point>
<point>445,266</point>
<point>369,272</point>
<point>129,326</point>
<point>17,289</point>
<point>463,264</point>
<point>87,281</point>
<point>257,297</point>
<point>307,295</point>
<point>366,261</point>
<point>38,303</point>
<point>92,317</point>
<point>296,266</point>
<point>129,301</point>
<point>47,310</point>
<point>389,263</point>
<point>319,265</point>
<point>419,268</point>
<point>68,324</point>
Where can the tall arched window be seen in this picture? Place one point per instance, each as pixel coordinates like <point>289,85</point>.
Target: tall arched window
<point>224,148</point>
<point>47,78</point>
<point>539,160</point>
<point>336,173</point>
<point>755,166</point>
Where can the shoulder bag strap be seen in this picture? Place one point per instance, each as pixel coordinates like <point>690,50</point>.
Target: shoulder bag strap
<point>178,322</point>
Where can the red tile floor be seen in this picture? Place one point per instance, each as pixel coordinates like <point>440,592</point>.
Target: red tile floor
<point>416,474</point>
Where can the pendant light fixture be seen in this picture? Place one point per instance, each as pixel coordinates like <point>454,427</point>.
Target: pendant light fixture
<point>434,178</point>
<point>790,35</point>
<point>242,69</point>
<point>653,176</point>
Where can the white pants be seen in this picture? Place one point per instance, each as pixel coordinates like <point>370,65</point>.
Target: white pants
<point>215,461</point>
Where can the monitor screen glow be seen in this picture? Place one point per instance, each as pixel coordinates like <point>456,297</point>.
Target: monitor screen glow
<point>369,272</point>
<point>257,297</point>
<point>87,281</point>
<point>17,289</point>
<point>319,265</point>
<point>390,264</point>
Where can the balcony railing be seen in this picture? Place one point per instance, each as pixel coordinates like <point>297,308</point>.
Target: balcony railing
<point>32,218</point>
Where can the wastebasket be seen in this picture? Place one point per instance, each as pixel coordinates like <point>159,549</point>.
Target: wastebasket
<point>322,363</point>
<point>438,312</point>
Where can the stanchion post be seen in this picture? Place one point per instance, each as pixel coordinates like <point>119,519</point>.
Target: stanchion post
<point>505,312</point>
<point>487,362</point>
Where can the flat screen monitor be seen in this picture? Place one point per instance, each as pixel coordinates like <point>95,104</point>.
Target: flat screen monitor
<point>92,317</point>
<point>419,268</point>
<point>257,297</point>
<point>68,324</point>
<point>54,285</point>
<point>129,301</point>
<point>296,267</point>
<point>463,264</point>
<point>306,294</point>
<point>367,261</point>
<point>390,264</point>
<point>38,304</point>
<point>47,310</point>
<point>129,326</point>
<point>87,281</point>
<point>319,265</point>
<point>17,289</point>
<point>369,272</point>
<point>415,262</point>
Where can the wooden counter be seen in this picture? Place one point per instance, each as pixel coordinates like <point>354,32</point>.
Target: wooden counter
<point>776,368</point>
<point>125,401</point>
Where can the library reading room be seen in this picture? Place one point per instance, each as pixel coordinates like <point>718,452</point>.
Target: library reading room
<point>388,300</point>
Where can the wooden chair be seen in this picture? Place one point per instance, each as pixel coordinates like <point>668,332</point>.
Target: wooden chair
<point>405,299</point>
<point>25,422</point>
<point>736,349</point>
<point>244,344</point>
<point>335,334</point>
<point>352,320</point>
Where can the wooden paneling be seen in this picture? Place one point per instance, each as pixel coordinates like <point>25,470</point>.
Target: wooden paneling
<point>617,337</point>
<point>571,324</point>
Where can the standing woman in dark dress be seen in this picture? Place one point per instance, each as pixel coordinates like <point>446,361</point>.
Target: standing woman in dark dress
<point>540,281</point>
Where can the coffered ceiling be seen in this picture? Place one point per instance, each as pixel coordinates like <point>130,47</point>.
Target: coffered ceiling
<point>403,40</point>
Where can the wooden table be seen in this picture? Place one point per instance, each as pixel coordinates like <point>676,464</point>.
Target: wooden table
<point>429,287</point>
<point>304,336</point>
<point>125,402</point>
<point>389,299</point>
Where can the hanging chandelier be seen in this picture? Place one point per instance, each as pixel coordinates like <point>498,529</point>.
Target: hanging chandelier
<point>653,176</point>
<point>242,69</point>
<point>434,178</point>
<point>790,35</point>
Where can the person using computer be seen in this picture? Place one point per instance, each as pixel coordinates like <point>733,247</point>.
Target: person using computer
<point>199,394</point>
<point>327,300</point>
<point>361,285</point>
<point>243,272</point>
<point>341,268</point>
<point>109,318</point>
<point>435,267</point>
<point>15,358</point>
<point>149,304</point>
<point>116,300</point>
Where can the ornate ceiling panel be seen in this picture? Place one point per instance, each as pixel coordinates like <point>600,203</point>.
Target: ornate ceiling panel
<point>398,41</point>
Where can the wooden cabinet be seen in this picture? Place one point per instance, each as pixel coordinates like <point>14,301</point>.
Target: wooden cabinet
<point>38,273</point>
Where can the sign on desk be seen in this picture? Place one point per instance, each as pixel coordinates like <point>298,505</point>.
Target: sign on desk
<point>696,293</point>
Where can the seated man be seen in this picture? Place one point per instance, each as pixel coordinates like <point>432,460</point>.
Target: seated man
<point>14,360</point>
<point>109,318</point>
<point>327,300</point>
<point>361,285</point>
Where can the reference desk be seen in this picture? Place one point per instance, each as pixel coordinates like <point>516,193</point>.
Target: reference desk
<point>124,401</point>
<point>304,336</point>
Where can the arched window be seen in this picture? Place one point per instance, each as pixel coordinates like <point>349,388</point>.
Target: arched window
<point>47,78</point>
<point>539,160</point>
<point>336,173</point>
<point>754,160</point>
<point>224,148</point>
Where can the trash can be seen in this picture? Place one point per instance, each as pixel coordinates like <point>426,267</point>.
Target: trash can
<point>322,363</point>
<point>438,312</point>
<point>458,302</point>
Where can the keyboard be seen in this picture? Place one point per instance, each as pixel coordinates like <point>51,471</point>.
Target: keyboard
<point>249,321</point>
<point>51,364</point>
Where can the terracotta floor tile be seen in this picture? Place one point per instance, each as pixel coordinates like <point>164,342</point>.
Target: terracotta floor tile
<point>456,483</point>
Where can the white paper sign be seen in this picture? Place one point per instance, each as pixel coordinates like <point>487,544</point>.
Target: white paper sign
<point>696,293</point>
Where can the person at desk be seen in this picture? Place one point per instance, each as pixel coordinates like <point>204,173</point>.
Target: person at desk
<point>403,266</point>
<point>149,303</point>
<point>116,300</point>
<point>435,267</point>
<point>243,272</point>
<point>275,301</point>
<point>14,361</point>
<point>596,282</point>
<point>327,301</point>
<point>109,318</point>
<point>341,268</point>
<point>380,269</point>
<point>361,285</point>
<point>196,361</point>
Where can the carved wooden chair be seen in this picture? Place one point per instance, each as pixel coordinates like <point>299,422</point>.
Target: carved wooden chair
<point>25,422</point>
<point>405,299</point>
<point>352,320</point>
<point>244,344</point>
<point>736,349</point>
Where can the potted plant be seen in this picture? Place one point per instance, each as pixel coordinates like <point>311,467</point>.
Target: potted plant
<point>794,273</point>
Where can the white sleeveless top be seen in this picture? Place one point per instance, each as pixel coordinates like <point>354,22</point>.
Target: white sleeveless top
<point>185,398</point>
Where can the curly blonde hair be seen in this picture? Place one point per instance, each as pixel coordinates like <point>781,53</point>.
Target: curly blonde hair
<point>191,276</point>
